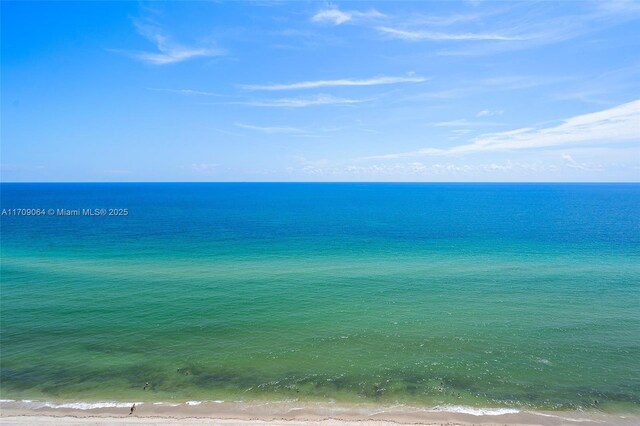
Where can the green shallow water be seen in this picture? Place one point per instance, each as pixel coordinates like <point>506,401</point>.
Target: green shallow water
<point>484,320</point>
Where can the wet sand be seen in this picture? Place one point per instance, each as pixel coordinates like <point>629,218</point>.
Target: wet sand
<point>296,413</point>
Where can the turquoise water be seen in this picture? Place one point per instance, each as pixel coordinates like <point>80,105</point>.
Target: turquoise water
<point>467,294</point>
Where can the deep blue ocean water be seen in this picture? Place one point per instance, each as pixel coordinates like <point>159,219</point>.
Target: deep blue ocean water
<point>524,295</point>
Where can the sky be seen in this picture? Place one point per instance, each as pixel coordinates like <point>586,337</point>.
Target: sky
<point>469,91</point>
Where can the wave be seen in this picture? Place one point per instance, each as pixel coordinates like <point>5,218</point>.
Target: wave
<point>28,403</point>
<point>217,401</point>
<point>80,405</point>
<point>571,419</point>
<point>461,409</point>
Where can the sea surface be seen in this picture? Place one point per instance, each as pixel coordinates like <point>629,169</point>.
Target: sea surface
<point>482,295</point>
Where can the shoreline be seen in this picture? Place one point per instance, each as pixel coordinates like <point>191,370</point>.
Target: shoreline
<point>291,413</point>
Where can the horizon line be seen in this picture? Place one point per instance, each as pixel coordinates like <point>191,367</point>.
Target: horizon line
<point>331,182</point>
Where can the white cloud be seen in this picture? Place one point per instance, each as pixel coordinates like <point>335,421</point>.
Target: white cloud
<point>303,102</point>
<point>513,28</point>
<point>168,52</point>
<point>272,129</point>
<point>491,85</point>
<point>619,6</point>
<point>421,170</point>
<point>431,36</point>
<point>375,81</point>
<point>573,164</point>
<point>331,15</point>
<point>338,17</point>
<point>488,112</point>
<point>610,126</point>
<point>539,29</point>
<point>174,54</point>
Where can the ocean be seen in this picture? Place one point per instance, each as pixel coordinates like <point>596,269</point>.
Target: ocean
<point>521,296</point>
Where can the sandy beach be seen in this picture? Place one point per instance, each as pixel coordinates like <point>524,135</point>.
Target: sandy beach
<point>289,414</point>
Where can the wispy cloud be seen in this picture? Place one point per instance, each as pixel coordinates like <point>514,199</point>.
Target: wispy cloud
<point>337,17</point>
<point>436,36</point>
<point>610,126</point>
<point>418,169</point>
<point>174,54</point>
<point>462,89</point>
<point>333,16</point>
<point>289,130</point>
<point>573,164</point>
<point>600,88</point>
<point>515,27</point>
<point>375,81</point>
<point>168,51</point>
<point>303,102</point>
<point>273,129</point>
<point>541,28</point>
<point>489,112</point>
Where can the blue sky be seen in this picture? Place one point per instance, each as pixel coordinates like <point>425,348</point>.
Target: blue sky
<point>321,91</point>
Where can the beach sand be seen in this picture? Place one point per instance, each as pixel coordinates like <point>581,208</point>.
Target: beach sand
<point>290,414</point>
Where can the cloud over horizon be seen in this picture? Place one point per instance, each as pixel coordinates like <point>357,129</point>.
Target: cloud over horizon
<point>610,126</point>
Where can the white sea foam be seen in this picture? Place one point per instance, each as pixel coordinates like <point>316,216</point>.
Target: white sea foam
<point>29,403</point>
<point>90,405</point>
<point>476,411</point>
<point>571,419</point>
<point>193,402</point>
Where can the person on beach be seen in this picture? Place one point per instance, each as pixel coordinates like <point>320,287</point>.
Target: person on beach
<point>133,408</point>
